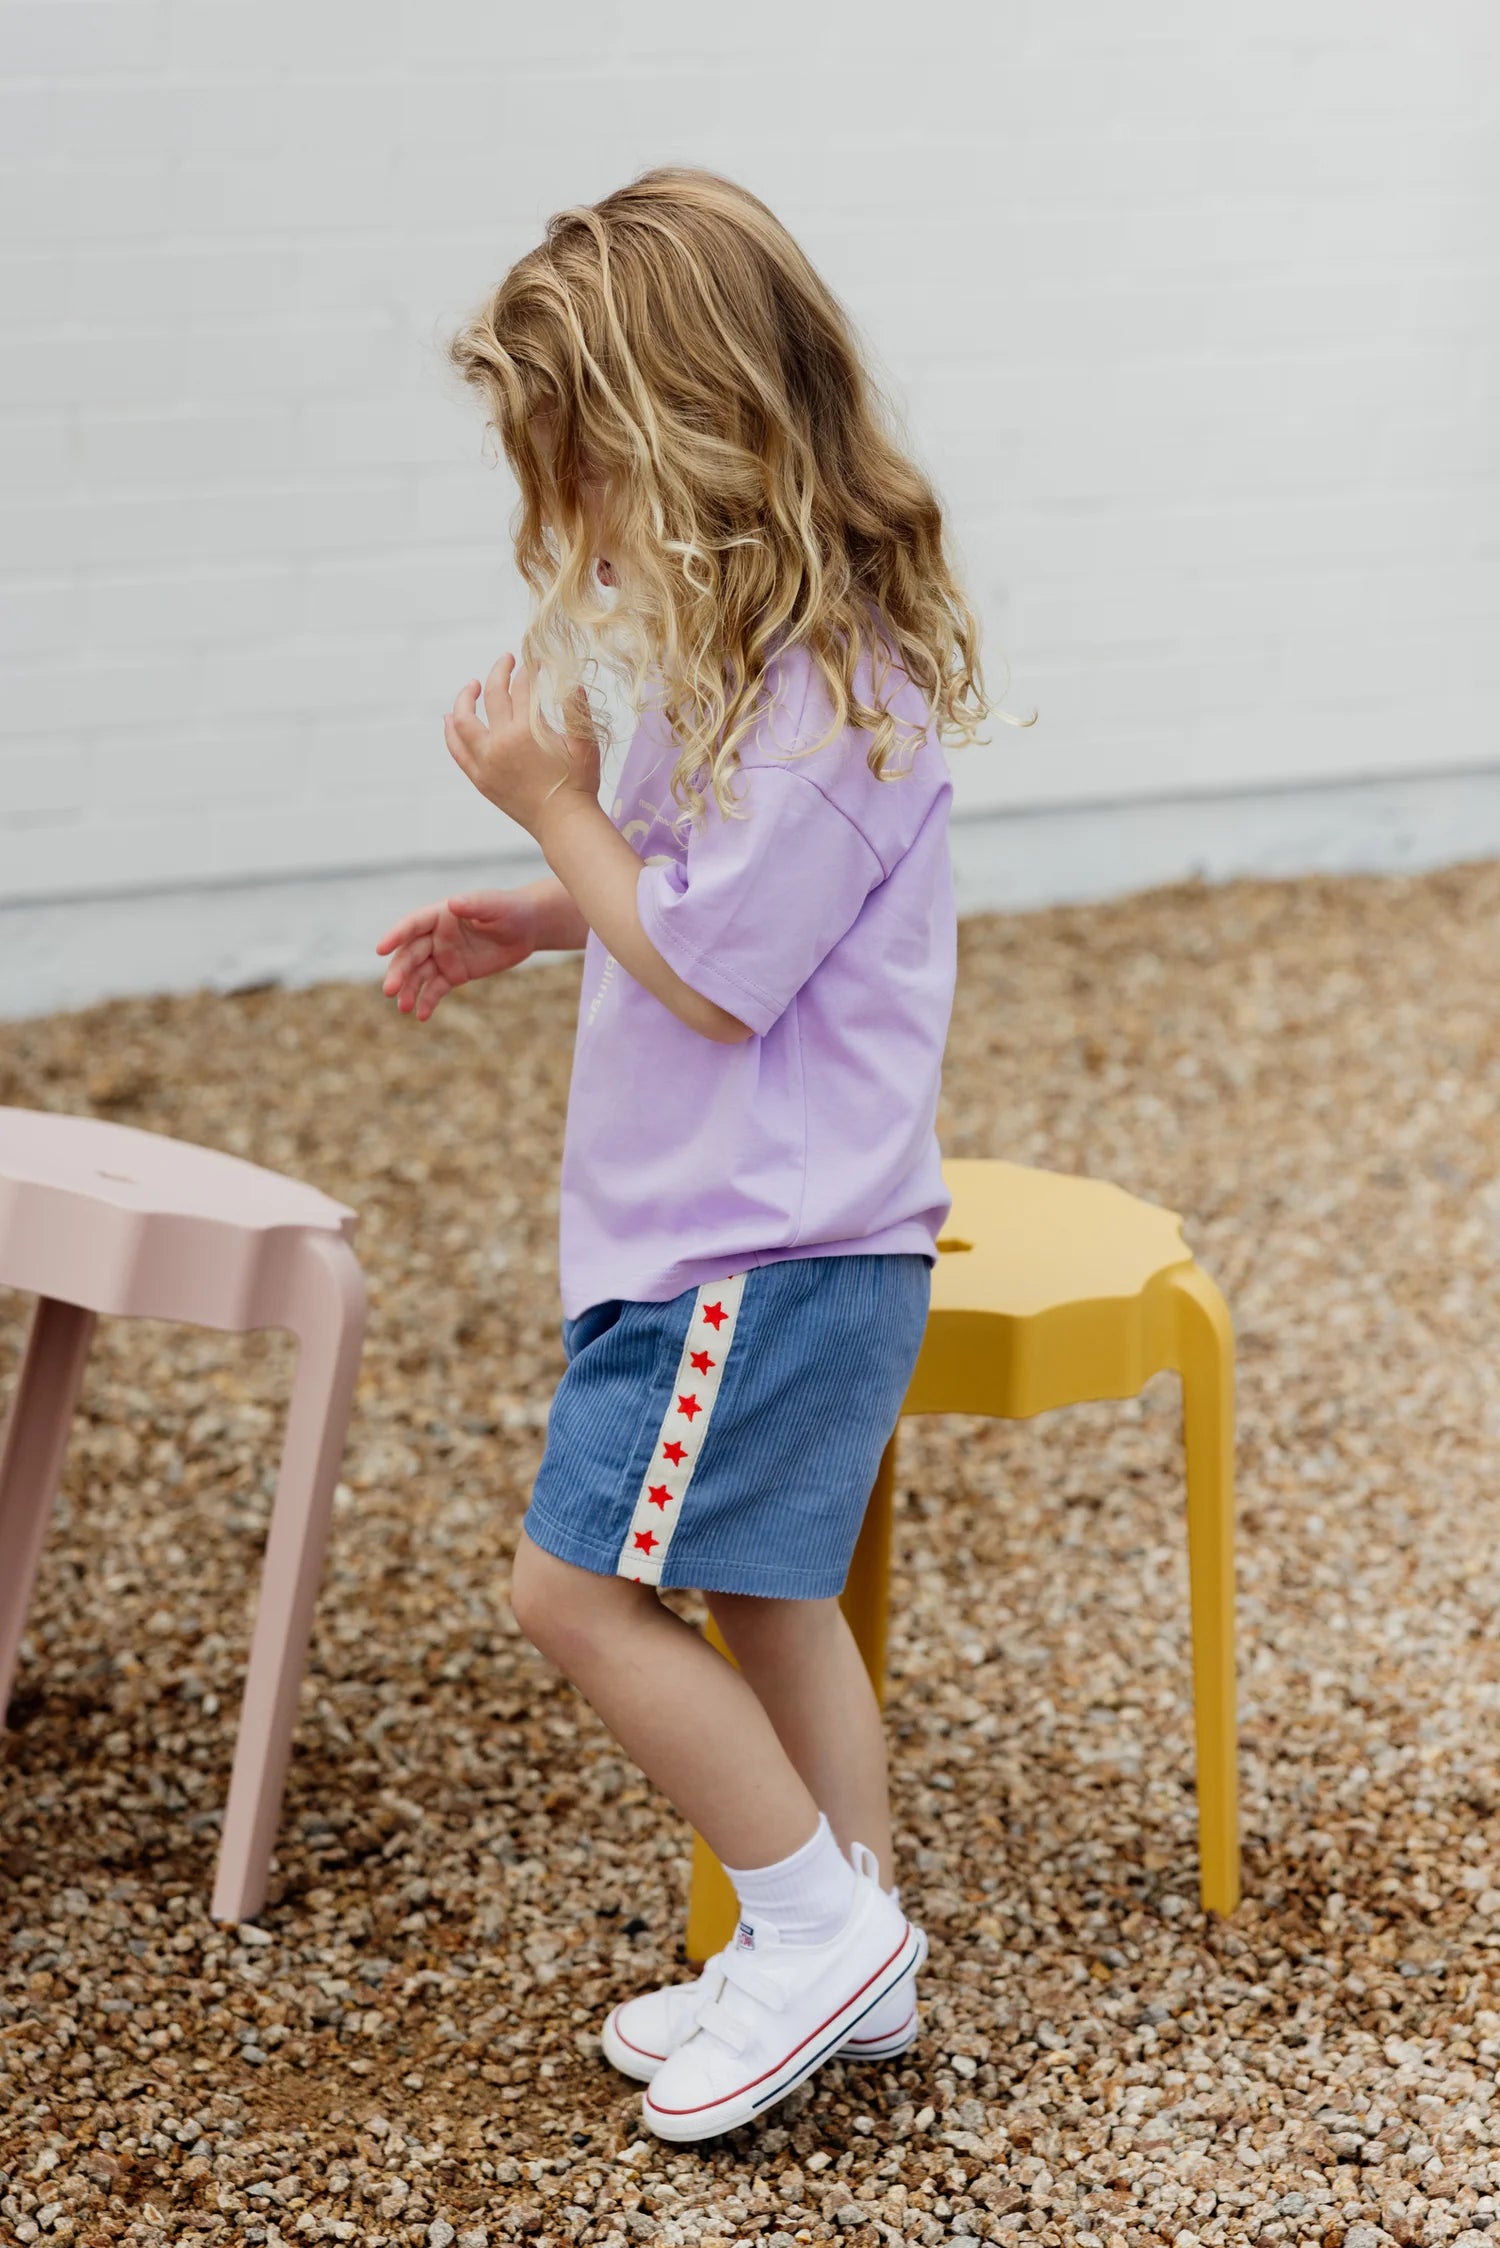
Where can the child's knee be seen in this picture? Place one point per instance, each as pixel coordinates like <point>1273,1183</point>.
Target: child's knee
<point>560,1608</point>
<point>535,1593</point>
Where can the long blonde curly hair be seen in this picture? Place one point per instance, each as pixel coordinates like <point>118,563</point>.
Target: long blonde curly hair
<point>668,361</point>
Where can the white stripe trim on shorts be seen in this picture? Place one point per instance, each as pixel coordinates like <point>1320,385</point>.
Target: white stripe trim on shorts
<point>684,1429</point>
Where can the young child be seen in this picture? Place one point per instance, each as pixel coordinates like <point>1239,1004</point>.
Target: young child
<point>751,1189</point>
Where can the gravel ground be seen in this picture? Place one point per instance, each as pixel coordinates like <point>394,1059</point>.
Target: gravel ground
<point>404,2049</point>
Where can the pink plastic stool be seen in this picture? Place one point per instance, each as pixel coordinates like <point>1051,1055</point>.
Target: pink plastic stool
<point>98,1217</point>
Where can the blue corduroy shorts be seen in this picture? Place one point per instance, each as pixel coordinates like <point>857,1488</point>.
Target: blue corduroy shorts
<point>728,1438</point>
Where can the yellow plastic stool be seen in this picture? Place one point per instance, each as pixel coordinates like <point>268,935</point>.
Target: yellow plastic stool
<point>1054,1290</point>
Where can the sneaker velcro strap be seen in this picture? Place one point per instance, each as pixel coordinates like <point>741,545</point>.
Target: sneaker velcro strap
<point>719,2022</point>
<point>747,1975</point>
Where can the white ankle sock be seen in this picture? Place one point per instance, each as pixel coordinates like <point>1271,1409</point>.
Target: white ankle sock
<point>807,1896</point>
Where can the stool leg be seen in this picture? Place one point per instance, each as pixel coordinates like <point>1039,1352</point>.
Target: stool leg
<point>712,1905</point>
<point>326,1310</point>
<point>1205,1358</point>
<point>866,1597</point>
<point>32,1448</point>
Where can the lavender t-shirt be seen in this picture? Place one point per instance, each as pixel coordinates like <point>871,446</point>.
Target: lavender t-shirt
<point>825,921</point>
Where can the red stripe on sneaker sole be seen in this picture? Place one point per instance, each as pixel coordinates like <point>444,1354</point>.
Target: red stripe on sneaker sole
<point>644,2050</point>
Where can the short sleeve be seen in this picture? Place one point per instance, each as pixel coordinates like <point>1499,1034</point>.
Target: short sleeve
<point>761,899</point>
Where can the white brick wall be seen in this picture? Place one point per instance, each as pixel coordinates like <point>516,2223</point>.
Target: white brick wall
<point>1191,312</point>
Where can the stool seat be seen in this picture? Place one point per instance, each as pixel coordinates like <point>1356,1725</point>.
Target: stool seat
<point>1047,1291</point>
<point>97,1217</point>
<point>131,1222</point>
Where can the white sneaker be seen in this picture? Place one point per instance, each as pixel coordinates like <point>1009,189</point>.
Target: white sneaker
<point>639,2033</point>
<point>772,2013</point>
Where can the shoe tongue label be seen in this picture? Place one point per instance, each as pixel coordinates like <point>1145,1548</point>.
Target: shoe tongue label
<point>744,1937</point>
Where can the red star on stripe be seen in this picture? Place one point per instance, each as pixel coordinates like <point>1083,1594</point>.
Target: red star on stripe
<point>645,1539</point>
<point>675,1452</point>
<point>702,1361</point>
<point>659,1495</point>
<point>716,1315</point>
<point>688,1405</point>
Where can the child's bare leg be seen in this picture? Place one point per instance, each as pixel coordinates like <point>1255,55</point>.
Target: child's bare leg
<point>801,1658</point>
<point>690,1720</point>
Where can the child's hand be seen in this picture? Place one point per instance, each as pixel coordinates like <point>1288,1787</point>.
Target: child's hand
<point>503,760</point>
<point>439,947</point>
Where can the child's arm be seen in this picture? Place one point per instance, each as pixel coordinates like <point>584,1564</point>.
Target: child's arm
<point>437,948</point>
<point>554,795</point>
<point>600,871</point>
<point>556,923</point>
